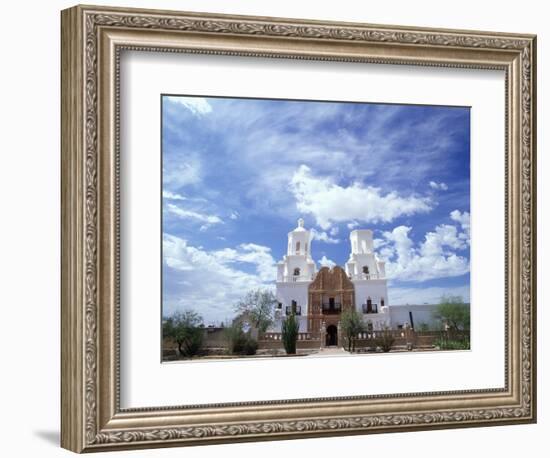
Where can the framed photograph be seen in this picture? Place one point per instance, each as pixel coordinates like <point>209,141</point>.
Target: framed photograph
<point>278,228</point>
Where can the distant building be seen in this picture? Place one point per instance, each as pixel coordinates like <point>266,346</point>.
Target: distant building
<point>319,297</point>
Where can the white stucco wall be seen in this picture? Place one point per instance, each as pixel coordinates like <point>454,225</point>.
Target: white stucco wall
<point>375,289</point>
<point>380,320</point>
<point>297,291</point>
<point>277,323</point>
<point>421,314</point>
<point>289,263</point>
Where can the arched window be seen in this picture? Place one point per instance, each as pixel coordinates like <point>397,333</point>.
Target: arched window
<point>297,271</point>
<point>297,247</point>
<point>366,270</point>
<point>382,302</point>
<point>369,305</point>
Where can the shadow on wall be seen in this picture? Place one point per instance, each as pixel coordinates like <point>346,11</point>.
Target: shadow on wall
<point>51,437</point>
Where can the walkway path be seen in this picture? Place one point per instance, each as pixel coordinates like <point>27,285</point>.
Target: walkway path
<point>332,351</point>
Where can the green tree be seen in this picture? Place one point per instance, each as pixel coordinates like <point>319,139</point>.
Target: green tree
<point>185,328</point>
<point>258,305</point>
<point>454,312</point>
<point>290,328</point>
<point>352,324</point>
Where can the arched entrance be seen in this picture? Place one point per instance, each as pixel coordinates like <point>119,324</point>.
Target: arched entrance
<point>332,335</point>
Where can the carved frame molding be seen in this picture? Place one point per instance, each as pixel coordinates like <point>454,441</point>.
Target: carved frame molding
<point>92,39</point>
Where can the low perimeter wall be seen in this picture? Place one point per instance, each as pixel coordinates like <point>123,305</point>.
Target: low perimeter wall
<point>402,338</point>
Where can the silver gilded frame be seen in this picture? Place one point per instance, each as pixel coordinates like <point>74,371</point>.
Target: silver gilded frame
<point>92,41</point>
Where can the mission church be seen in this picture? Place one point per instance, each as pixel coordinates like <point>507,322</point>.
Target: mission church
<point>318,297</point>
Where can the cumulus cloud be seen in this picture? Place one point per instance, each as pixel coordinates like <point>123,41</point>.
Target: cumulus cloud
<point>379,243</point>
<point>258,255</point>
<point>199,106</point>
<point>211,282</point>
<point>331,203</point>
<point>325,262</point>
<point>438,186</point>
<point>435,257</point>
<point>322,236</point>
<point>463,219</point>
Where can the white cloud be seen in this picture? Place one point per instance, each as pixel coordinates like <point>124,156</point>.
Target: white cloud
<point>211,282</point>
<point>234,215</point>
<point>258,255</point>
<point>196,105</point>
<point>322,236</point>
<point>325,262</point>
<point>439,186</point>
<point>463,219</point>
<point>172,195</point>
<point>352,225</point>
<point>207,220</point>
<point>181,170</point>
<point>379,243</point>
<point>329,202</point>
<point>435,257</point>
<point>333,231</point>
<point>269,143</point>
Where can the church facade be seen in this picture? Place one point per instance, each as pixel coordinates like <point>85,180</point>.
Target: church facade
<point>318,297</point>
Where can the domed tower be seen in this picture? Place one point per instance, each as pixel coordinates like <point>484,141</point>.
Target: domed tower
<point>368,275</point>
<point>299,241</point>
<point>297,265</point>
<point>363,263</point>
<point>294,273</point>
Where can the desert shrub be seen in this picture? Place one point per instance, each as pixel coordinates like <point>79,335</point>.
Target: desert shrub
<point>452,344</point>
<point>186,330</point>
<point>385,339</point>
<point>423,327</point>
<point>250,346</point>
<point>239,342</point>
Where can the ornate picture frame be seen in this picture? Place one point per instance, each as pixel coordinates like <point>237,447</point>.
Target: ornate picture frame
<point>93,39</point>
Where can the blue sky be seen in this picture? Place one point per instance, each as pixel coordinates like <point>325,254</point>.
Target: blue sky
<point>238,173</point>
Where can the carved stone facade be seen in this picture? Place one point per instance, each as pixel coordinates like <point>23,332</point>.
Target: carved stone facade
<point>329,294</point>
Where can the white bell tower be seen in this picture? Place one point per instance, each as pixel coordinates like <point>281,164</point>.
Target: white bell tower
<point>294,274</point>
<point>297,265</point>
<point>299,241</point>
<point>363,263</point>
<point>368,275</point>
